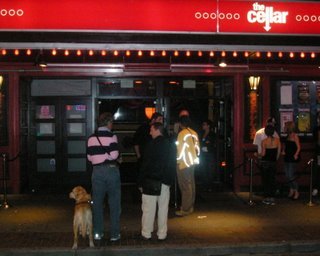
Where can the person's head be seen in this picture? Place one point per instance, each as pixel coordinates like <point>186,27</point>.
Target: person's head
<point>269,130</point>
<point>184,121</point>
<point>271,121</point>
<point>156,129</point>
<point>105,120</point>
<point>156,118</point>
<point>207,125</point>
<point>289,127</point>
<point>184,112</point>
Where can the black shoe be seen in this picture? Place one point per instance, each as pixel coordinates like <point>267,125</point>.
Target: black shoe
<point>145,238</point>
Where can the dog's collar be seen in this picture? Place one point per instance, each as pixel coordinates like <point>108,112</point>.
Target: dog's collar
<point>83,202</point>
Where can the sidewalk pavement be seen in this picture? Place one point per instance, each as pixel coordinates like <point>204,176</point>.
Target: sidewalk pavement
<point>222,224</point>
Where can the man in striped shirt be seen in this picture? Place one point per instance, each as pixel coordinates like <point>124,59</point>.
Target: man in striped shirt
<point>102,152</point>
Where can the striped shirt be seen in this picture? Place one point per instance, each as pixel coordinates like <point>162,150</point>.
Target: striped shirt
<point>110,150</point>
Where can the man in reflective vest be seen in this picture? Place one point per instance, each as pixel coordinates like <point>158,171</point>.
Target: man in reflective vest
<point>187,157</point>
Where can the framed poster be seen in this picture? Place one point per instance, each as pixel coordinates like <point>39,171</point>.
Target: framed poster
<point>285,116</point>
<point>303,93</point>
<point>304,121</point>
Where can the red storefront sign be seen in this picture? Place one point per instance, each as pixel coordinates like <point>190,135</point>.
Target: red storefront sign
<point>180,16</point>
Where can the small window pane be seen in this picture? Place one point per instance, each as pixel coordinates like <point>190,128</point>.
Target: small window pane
<point>76,111</point>
<point>45,112</point>
<point>46,147</point>
<point>45,129</point>
<point>46,165</point>
<point>76,129</point>
<point>77,164</point>
<point>76,147</point>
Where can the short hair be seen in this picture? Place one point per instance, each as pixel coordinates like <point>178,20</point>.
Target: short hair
<point>104,119</point>
<point>269,130</point>
<point>271,120</point>
<point>289,126</point>
<point>158,126</point>
<point>184,120</point>
<point>208,122</point>
<point>155,115</point>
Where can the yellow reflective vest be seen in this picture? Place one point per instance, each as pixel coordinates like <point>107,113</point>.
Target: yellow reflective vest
<point>188,149</point>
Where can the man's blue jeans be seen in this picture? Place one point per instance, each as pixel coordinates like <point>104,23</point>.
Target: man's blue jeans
<point>106,180</point>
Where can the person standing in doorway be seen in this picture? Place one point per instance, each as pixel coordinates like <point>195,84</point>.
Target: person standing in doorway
<point>188,151</point>
<point>291,152</point>
<point>156,176</point>
<point>270,152</point>
<point>103,152</point>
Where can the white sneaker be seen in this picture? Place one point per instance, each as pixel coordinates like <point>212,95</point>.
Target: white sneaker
<point>314,192</point>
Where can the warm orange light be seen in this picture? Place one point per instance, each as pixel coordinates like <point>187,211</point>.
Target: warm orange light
<point>258,54</point>
<point>28,52</point>
<point>140,53</point>
<point>115,53</point>
<point>188,54</point>
<point>128,53</point>
<point>223,54</point>
<point>163,53</point>
<point>223,164</point>
<point>3,51</point>
<point>280,54</point>
<point>103,53</point>
<point>172,82</point>
<point>313,55</point>
<point>302,55</point>
<point>211,54</point>
<point>200,53</point>
<point>269,54</point>
<point>291,54</point>
<point>91,53</point>
<point>246,54</point>
<point>149,111</point>
<point>66,53</point>
<point>138,82</point>
<point>54,52</point>
<point>152,53</point>
<point>79,53</point>
<point>16,52</point>
<point>234,54</point>
<point>176,53</point>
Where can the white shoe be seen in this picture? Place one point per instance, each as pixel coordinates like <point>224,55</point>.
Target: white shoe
<point>314,192</point>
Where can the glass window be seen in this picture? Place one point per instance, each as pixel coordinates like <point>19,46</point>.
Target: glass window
<point>45,112</point>
<point>76,111</point>
<point>3,111</point>
<point>46,147</point>
<point>76,147</point>
<point>45,129</point>
<point>127,87</point>
<point>77,164</point>
<point>76,129</point>
<point>46,165</point>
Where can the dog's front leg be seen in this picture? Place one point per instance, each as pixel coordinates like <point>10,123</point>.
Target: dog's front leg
<point>75,237</point>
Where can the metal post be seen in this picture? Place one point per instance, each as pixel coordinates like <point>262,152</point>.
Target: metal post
<point>250,202</point>
<point>311,181</point>
<point>4,204</point>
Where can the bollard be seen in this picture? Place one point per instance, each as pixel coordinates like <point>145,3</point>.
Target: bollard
<point>311,181</point>
<point>250,202</point>
<point>4,204</point>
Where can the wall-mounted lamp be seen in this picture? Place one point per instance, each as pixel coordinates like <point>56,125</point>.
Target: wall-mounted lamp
<point>254,82</point>
<point>148,111</point>
<point>40,61</point>
<point>1,82</point>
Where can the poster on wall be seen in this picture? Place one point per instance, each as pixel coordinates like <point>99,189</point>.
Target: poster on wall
<point>303,93</point>
<point>304,120</point>
<point>286,94</point>
<point>285,116</point>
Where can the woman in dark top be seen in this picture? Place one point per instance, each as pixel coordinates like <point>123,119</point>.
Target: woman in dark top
<point>270,152</point>
<point>291,157</point>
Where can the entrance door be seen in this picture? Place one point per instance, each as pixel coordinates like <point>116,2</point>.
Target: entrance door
<point>57,147</point>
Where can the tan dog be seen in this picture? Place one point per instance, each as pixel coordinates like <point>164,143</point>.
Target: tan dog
<point>82,218</point>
